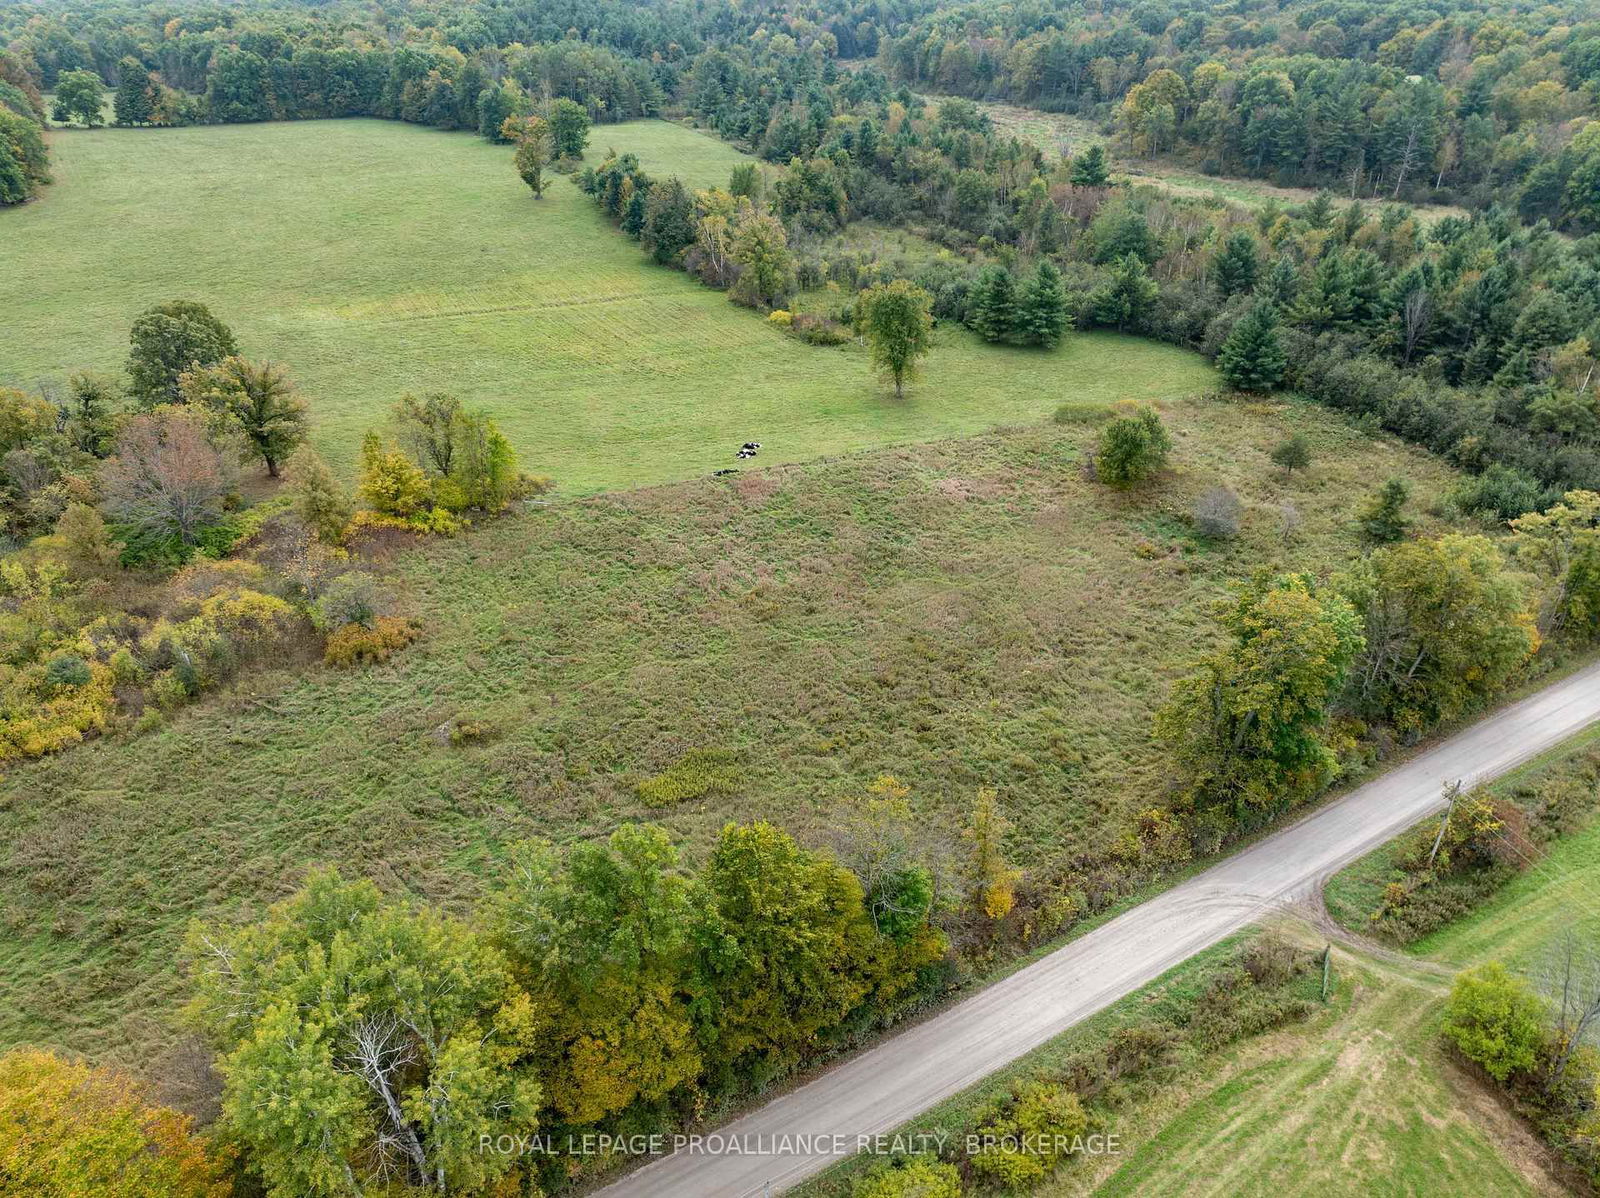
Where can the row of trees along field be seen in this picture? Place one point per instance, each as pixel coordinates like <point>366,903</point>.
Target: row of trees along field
<point>1470,107</point>
<point>1458,108</point>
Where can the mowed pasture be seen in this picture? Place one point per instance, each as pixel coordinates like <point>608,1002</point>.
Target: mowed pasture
<point>963,613</point>
<point>374,258</point>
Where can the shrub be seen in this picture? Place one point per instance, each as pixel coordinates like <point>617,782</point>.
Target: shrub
<point>1496,1020</point>
<point>698,773</point>
<point>1217,514</point>
<point>1027,1137</point>
<point>355,644</point>
<point>1502,491</point>
<point>355,597</point>
<point>911,1179</point>
<point>1132,447</point>
<point>67,670</point>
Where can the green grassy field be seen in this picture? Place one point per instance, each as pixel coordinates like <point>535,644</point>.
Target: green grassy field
<point>374,258</point>
<point>964,613</point>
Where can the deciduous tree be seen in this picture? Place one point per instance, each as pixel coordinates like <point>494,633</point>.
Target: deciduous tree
<point>1245,729</point>
<point>897,322</point>
<point>257,399</point>
<point>168,340</point>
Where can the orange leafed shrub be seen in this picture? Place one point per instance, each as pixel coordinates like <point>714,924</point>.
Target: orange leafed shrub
<point>68,1129</point>
<point>356,644</point>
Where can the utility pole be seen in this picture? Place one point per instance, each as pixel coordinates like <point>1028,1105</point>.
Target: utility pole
<point>1327,962</point>
<point>1452,792</point>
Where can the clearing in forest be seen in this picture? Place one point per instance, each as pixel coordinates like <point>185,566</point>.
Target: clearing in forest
<point>374,258</point>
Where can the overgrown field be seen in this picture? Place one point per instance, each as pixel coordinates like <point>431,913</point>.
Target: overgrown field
<point>1061,133</point>
<point>964,613</point>
<point>373,258</point>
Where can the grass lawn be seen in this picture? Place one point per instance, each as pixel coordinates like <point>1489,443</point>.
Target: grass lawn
<point>1359,1100</point>
<point>964,613</point>
<point>374,258</point>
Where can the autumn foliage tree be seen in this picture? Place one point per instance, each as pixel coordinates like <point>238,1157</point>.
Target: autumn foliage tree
<point>166,481</point>
<point>532,135</point>
<point>603,940</point>
<point>70,1130</point>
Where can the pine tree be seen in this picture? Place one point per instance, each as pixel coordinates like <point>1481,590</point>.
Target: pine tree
<point>1251,359</point>
<point>1127,296</point>
<point>1319,212</point>
<point>992,311</point>
<point>1236,265</point>
<point>1042,315</point>
<point>633,215</point>
<point>135,101</point>
<point>1383,520</point>
<point>1089,168</point>
<point>1281,284</point>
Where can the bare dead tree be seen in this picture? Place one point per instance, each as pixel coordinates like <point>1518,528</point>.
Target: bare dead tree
<point>1416,314</point>
<point>380,1052</point>
<point>1572,979</point>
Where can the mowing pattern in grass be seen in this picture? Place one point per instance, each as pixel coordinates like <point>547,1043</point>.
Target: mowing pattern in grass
<point>374,258</point>
<point>963,613</point>
<point>1360,1101</point>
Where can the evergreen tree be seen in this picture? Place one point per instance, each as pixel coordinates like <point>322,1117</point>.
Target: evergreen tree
<point>668,221</point>
<point>135,100</point>
<point>1042,314</point>
<point>1089,168</point>
<point>1251,359</point>
<point>1126,298</point>
<point>1236,265</point>
<point>1383,520</point>
<point>992,307</point>
<point>91,413</point>
<point>1281,285</point>
<point>633,213</point>
<point>1319,212</point>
